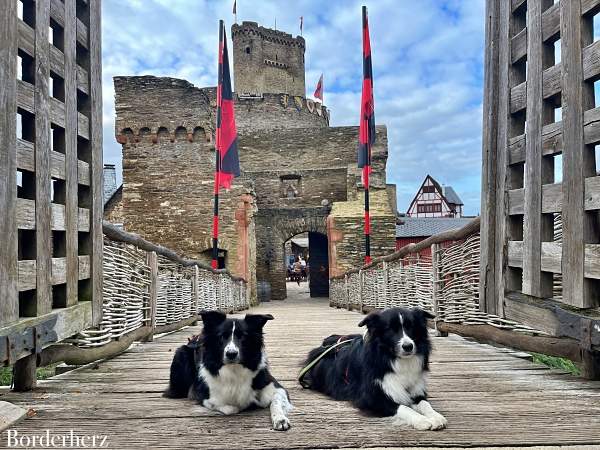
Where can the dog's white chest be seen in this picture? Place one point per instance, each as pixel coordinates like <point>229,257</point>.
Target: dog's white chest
<point>406,380</point>
<point>232,386</point>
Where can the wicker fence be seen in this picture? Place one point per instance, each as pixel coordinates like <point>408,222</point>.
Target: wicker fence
<point>147,289</point>
<point>446,284</point>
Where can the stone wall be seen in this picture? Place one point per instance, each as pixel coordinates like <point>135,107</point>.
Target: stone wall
<point>345,229</point>
<point>167,198</point>
<point>267,61</point>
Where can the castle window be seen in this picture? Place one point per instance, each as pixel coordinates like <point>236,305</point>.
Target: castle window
<point>247,50</point>
<point>290,186</point>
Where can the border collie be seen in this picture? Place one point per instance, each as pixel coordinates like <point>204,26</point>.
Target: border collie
<point>384,371</point>
<point>225,369</point>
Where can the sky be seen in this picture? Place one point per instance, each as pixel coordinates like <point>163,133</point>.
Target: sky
<point>427,68</point>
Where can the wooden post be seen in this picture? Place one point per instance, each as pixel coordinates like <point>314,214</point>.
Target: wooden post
<point>436,268</point>
<point>539,169</point>
<point>71,118</point>
<point>25,376</point>
<point>361,283</point>
<point>96,169</point>
<point>386,276</point>
<point>43,232</point>
<point>578,159</point>
<point>487,277</point>
<point>153,298</point>
<point>196,294</point>
<point>9,303</point>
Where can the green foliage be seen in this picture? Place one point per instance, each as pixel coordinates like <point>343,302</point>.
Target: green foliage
<point>42,374</point>
<point>556,363</point>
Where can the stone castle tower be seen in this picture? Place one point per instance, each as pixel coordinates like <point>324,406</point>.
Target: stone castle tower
<point>267,61</point>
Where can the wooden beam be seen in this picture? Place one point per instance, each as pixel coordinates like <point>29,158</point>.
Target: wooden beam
<point>42,160</point>
<point>561,347</point>
<point>487,273</point>
<point>507,78</point>
<point>95,136</point>
<point>551,258</point>
<point>535,230</point>
<point>552,197</point>
<point>555,318</point>
<point>71,166</point>
<point>65,322</point>
<point>578,161</point>
<point>9,303</point>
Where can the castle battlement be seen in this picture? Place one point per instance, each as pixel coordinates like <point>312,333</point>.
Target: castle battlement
<point>279,37</point>
<point>267,61</point>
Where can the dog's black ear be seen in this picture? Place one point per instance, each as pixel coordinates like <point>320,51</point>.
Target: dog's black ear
<point>424,314</point>
<point>371,321</point>
<point>212,319</point>
<point>257,320</point>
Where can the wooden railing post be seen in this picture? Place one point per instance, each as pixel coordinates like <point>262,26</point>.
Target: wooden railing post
<point>361,283</point>
<point>437,280</point>
<point>153,264</point>
<point>25,373</point>
<point>386,300</point>
<point>195,293</point>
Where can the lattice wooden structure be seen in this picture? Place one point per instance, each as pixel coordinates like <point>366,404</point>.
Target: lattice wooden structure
<point>541,58</point>
<point>50,172</point>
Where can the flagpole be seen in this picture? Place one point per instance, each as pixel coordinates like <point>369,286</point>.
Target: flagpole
<point>367,168</point>
<point>215,249</point>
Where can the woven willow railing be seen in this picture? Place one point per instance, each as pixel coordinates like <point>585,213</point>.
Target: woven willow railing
<point>445,283</point>
<point>145,285</point>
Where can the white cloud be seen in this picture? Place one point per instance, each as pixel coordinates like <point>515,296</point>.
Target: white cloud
<point>427,63</point>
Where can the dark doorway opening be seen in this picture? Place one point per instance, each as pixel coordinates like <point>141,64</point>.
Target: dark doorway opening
<point>318,265</point>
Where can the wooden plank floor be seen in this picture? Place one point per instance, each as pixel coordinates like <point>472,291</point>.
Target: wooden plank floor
<point>490,396</point>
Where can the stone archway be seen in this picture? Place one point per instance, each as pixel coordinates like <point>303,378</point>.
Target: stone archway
<point>273,228</point>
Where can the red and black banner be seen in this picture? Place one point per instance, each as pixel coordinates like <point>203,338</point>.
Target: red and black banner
<point>367,104</point>
<point>366,137</point>
<point>227,159</point>
<point>319,90</point>
<point>226,136</point>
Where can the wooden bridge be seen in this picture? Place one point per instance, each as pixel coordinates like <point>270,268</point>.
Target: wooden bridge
<point>525,275</point>
<point>491,397</point>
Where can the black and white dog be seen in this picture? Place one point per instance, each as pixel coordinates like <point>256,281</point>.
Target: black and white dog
<point>382,372</point>
<point>226,370</point>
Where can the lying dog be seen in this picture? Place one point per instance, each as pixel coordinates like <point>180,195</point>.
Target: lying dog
<point>226,370</point>
<point>384,372</point>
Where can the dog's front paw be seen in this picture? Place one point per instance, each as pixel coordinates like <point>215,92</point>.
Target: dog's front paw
<point>281,423</point>
<point>438,421</point>
<point>228,410</point>
<point>422,423</point>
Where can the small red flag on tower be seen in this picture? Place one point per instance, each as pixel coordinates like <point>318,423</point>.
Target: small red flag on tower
<point>319,90</point>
